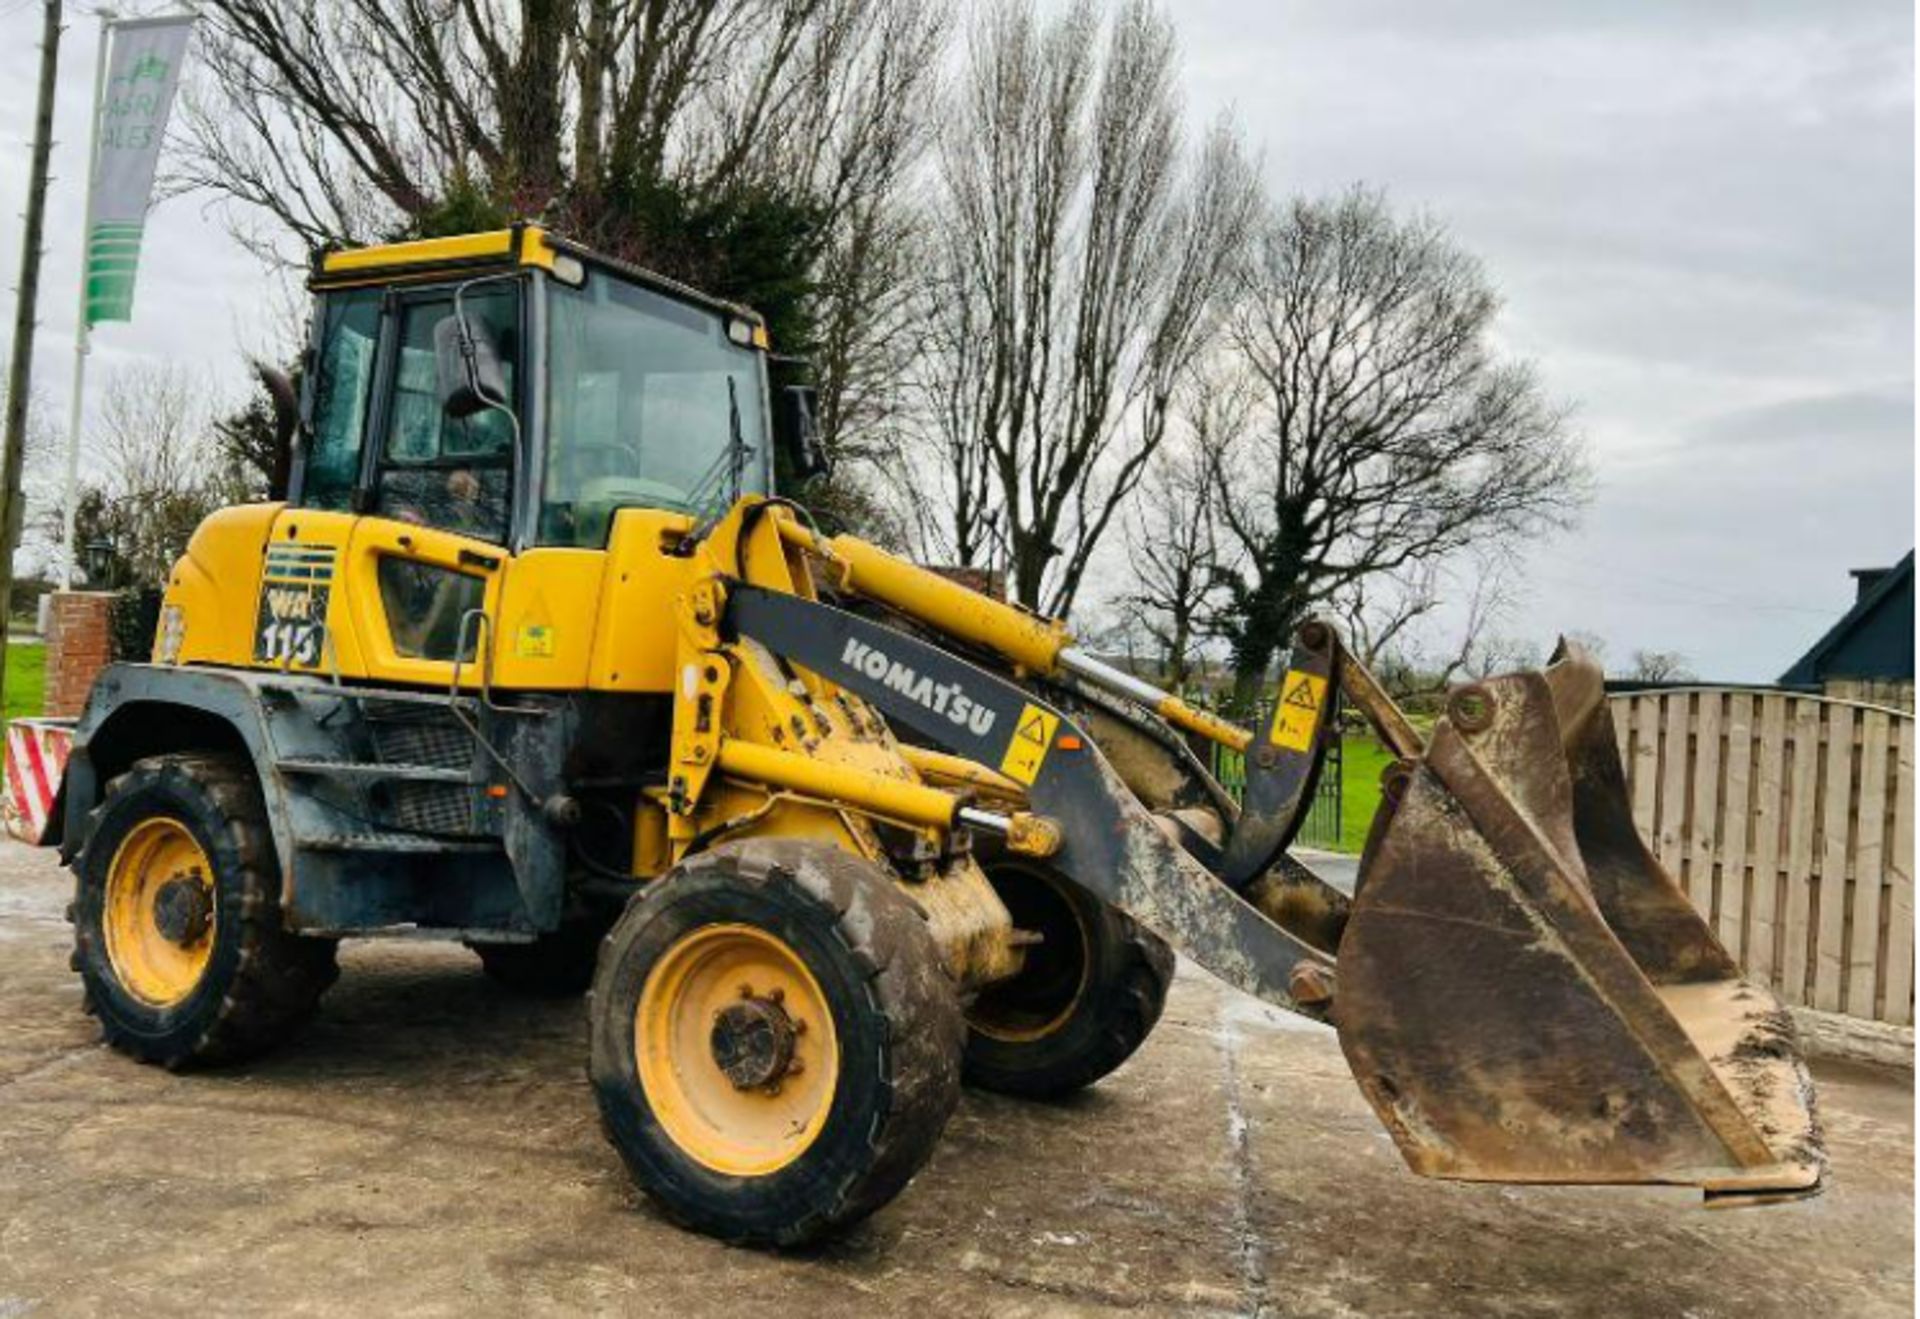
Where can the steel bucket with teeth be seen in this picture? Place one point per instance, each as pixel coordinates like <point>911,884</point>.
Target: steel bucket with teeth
<point>1525,995</point>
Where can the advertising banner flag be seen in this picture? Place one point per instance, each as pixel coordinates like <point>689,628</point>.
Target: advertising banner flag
<point>142,73</point>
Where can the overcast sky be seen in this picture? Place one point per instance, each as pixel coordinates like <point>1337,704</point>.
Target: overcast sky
<point>1701,215</point>
<point>1702,218</point>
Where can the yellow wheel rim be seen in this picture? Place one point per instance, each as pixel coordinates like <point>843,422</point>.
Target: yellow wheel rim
<point>735,995</point>
<point>998,1012</point>
<point>159,912</point>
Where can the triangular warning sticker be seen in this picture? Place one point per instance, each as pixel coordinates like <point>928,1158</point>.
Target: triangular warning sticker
<point>1297,715</point>
<point>1027,748</point>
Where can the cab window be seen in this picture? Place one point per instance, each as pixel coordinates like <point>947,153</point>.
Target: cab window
<point>426,608</point>
<point>647,399</point>
<point>343,382</point>
<point>452,473</point>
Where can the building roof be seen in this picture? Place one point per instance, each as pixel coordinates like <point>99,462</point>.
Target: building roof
<point>1874,639</point>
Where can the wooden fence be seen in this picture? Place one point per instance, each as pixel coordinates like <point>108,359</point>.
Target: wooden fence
<point>1789,822</point>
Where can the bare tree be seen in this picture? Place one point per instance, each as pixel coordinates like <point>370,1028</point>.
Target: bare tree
<point>1079,251</point>
<point>347,119</point>
<point>761,149</point>
<point>1591,642</point>
<point>1378,611</point>
<point>1390,434</point>
<point>1657,666</point>
<point>153,472</point>
<point>1120,635</point>
<point>1173,549</point>
<point>1389,620</point>
<point>871,116</point>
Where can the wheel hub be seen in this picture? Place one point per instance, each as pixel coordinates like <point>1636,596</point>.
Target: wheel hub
<point>183,909</point>
<point>753,1040</point>
<point>736,1050</point>
<point>159,911</point>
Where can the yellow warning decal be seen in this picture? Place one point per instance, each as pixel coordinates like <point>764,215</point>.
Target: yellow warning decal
<point>534,641</point>
<point>1032,735</point>
<point>1299,710</point>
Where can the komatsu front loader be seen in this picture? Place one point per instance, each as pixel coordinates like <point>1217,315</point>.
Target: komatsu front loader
<point>534,658</point>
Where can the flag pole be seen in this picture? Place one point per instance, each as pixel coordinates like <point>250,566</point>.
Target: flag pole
<point>83,332</point>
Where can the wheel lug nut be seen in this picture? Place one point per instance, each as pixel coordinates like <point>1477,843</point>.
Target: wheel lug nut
<point>746,990</point>
<point>796,1067</point>
<point>776,995</point>
<point>799,1026</point>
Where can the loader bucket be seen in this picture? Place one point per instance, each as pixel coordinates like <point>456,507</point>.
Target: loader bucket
<point>1525,995</point>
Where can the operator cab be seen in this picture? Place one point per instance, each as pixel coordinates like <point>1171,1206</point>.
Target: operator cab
<point>480,412</point>
<point>608,388</point>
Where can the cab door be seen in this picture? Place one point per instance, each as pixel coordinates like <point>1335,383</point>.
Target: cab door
<point>426,558</point>
<point>301,620</point>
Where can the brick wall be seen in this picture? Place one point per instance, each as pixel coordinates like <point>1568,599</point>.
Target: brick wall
<point>79,645</point>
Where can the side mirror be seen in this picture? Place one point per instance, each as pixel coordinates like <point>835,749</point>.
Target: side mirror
<point>798,434</point>
<point>469,373</point>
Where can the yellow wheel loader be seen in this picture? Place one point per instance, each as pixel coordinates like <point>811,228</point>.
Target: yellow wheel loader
<point>533,657</point>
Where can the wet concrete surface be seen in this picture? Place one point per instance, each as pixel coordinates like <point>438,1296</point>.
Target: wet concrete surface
<point>428,1146</point>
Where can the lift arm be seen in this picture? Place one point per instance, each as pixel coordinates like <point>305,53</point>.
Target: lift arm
<point>1108,843</point>
<point>1282,761</point>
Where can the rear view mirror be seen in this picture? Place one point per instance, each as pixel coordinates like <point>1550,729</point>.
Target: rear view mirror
<point>798,433</point>
<point>470,376</point>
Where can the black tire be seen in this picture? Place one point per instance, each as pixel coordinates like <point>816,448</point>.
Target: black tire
<point>260,981</point>
<point>1089,995</point>
<point>894,1012</point>
<point>555,965</point>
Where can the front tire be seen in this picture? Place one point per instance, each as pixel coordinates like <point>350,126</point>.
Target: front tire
<point>718,980</point>
<point>1086,999</point>
<point>177,931</point>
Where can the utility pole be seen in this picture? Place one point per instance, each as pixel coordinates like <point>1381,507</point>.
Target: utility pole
<point>20,374</point>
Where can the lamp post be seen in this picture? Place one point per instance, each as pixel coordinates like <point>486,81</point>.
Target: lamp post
<point>99,554</point>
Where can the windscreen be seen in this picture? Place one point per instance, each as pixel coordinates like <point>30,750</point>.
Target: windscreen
<point>645,395</point>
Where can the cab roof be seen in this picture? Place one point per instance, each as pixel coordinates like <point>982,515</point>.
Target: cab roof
<point>492,250</point>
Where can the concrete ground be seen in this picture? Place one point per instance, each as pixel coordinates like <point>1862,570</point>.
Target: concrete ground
<point>429,1147</point>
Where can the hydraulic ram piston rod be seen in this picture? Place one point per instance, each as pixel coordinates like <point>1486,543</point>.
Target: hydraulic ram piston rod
<point>1163,703</point>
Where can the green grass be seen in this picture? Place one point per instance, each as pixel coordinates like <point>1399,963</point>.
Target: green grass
<point>1362,758</point>
<point>26,683</point>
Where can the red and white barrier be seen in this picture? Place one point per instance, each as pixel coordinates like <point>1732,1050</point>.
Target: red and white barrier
<point>36,759</point>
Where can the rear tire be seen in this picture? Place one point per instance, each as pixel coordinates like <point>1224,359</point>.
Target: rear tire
<point>177,929</point>
<point>1089,995</point>
<point>714,981</point>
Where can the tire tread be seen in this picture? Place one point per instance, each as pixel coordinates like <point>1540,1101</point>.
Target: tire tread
<point>278,976</point>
